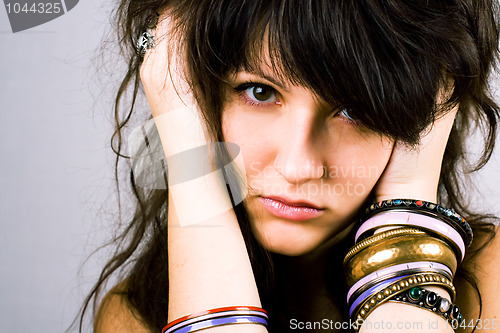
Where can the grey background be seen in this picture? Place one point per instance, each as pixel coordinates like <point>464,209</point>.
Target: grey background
<point>56,178</point>
<point>57,199</point>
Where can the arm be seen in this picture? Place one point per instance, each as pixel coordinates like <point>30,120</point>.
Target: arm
<point>413,174</point>
<point>207,258</point>
<point>208,263</point>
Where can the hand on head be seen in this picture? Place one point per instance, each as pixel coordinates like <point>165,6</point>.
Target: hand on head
<point>413,172</point>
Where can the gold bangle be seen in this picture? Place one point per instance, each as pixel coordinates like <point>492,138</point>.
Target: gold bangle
<point>379,237</point>
<point>396,250</point>
<point>400,286</point>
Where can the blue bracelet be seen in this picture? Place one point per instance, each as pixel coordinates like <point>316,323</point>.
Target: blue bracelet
<point>211,316</point>
<point>208,323</point>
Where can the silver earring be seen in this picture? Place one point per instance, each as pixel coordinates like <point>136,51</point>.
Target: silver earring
<point>146,39</point>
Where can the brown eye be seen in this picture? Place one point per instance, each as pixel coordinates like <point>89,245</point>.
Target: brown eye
<point>262,93</point>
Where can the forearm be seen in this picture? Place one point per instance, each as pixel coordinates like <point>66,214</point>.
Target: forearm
<point>207,258</point>
<point>208,266</point>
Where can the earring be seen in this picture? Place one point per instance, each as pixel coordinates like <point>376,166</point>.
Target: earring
<point>146,39</point>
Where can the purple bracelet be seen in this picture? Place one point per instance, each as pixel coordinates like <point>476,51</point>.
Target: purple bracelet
<point>373,290</point>
<point>404,218</point>
<point>407,268</point>
<point>208,323</point>
<point>211,316</point>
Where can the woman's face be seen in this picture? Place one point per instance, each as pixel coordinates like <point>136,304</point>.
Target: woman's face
<point>309,167</point>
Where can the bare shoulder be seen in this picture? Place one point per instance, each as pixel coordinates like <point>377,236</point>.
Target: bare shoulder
<point>486,268</point>
<point>116,315</point>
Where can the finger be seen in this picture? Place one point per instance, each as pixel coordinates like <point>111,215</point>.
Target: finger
<point>155,65</point>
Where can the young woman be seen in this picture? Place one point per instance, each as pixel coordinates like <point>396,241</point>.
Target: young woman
<point>326,107</point>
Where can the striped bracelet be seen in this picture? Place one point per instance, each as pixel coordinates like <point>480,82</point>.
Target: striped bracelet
<point>218,317</point>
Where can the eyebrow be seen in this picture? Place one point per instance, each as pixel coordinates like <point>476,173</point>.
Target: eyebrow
<point>264,75</point>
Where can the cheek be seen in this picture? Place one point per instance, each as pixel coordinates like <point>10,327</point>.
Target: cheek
<point>251,135</point>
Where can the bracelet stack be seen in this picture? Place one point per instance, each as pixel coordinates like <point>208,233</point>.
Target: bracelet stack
<point>218,317</point>
<point>401,246</point>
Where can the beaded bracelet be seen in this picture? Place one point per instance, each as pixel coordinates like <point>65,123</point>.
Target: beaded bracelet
<point>365,304</point>
<point>218,317</point>
<point>445,214</point>
<point>429,300</point>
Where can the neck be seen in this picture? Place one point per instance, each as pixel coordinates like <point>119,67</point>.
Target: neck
<point>312,285</point>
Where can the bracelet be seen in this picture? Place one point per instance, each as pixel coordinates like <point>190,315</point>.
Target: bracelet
<point>447,215</point>
<point>375,290</point>
<point>416,220</point>
<point>214,322</point>
<point>362,308</point>
<point>398,250</point>
<point>364,305</point>
<point>218,317</point>
<point>379,237</point>
<point>396,271</point>
<point>429,300</point>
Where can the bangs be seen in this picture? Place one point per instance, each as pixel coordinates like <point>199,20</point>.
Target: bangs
<point>382,60</point>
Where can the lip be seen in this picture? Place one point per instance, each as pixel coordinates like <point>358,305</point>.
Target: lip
<point>290,210</point>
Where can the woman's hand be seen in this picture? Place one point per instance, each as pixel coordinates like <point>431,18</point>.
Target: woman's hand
<point>207,259</point>
<point>192,178</point>
<point>413,173</point>
<point>170,97</point>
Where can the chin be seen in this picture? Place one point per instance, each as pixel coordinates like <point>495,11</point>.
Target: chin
<point>288,238</point>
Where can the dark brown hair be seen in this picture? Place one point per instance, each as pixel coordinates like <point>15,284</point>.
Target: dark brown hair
<point>383,60</point>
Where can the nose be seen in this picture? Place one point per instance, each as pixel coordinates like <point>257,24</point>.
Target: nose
<point>298,159</point>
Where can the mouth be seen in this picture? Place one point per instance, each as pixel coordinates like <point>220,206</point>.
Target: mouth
<point>290,210</point>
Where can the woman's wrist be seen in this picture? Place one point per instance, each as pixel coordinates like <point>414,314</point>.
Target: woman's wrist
<point>180,130</point>
<point>417,190</point>
<point>399,265</point>
<point>406,318</point>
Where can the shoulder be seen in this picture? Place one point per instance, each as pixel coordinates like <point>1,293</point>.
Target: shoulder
<point>115,314</point>
<point>486,268</point>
